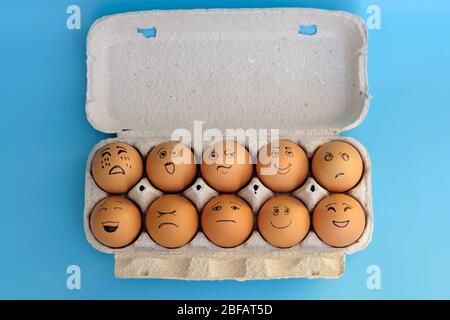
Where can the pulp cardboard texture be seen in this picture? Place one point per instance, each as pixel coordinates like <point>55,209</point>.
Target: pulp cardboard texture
<point>233,68</point>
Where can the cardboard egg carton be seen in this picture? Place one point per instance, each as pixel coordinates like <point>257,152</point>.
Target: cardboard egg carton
<point>152,72</point>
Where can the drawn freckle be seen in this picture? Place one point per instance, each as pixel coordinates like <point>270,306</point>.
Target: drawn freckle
<point>103,167</point>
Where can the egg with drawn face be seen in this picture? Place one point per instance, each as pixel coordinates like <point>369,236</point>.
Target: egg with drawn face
<point>172,221</point>
<point>171,167</point>
<point>283,221</point>
<point>226,166</point>
<point>282,166</point>
<point>337,166</point>
<point>339,220</point>
<point>227,221</point>
<point>115,222</point>
<point>117,167</point>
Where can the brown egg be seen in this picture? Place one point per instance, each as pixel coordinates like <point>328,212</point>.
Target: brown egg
<point>117,167</point>
<point>283,221</point>
<point>171,166</point>
<point>282,166</point>
<point>226,166</point>
<point>227,221</point>
<point>337,166</point>
<point>115,222</point>
<point>172,221</point>
<point>339,220</point>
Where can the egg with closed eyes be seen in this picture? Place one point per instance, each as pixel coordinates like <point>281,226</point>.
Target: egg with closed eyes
<point>115,222</point>
<point>117,167</point>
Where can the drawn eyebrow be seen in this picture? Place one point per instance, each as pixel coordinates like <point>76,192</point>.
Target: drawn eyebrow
<point>121,147</point>
<point>103,150</point>
<point>119,201</point>
<point>216,204</point>
<point>276,207</point>
<point>287,147</point>
<point>347,205</point>
<point>237,204</point>
<point>118,208</point>
<point>330,204</point>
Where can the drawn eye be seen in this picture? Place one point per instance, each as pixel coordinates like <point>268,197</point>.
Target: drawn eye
<point>174,153</point>
<point>345,156</point>
<point>104,209</point>
<point>331,209</point>
<point>121,151</point>
<point>286,211</point>
<point>234,207</point>
<point>275,153</point>
<point>347,208</point>
<point>289,153</point>
<point>106,153</point>
<point>213,155</point>
<point>217,208</point>
<point>229,154</point>
<point>276,211</point>
<point>328,156</point>
<point>162,154</point>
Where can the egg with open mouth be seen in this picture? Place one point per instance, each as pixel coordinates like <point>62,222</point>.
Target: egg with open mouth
<point>115,222</point>
<point>117,167</point>
<point>339,220</point>
<point>282,166</point>
<point>337,166</point>
<point>226,166</point>
<point>171,166</point>
<point>227,221</point>
<point>283,221</point>
<point>172,221</point>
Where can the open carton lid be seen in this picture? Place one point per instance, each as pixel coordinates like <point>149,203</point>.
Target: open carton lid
<point>297,70</point>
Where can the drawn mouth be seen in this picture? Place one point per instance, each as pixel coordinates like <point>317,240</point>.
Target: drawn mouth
<point>224,168</point>
<point>116,170</point>
<point>226,220</point>
<point>170,167</point>
<point>341,224</point>
<point>110,226</point>
<point>338,175</point>
<point>284,227</point>
<point>285,170</point>
<point>167,224</point>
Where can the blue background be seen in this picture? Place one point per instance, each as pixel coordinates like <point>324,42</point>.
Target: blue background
<point>47,139</point>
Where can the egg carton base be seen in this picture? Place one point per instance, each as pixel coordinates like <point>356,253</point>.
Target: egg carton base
<point>229,265</point>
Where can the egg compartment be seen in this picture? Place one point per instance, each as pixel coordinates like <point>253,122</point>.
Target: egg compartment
<point>239,68</point>
<point>199,193</point>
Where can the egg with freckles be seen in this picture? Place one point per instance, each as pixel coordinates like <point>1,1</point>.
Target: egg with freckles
<point>226,166</point>
<point>282,166</point>
<point>227,221</point>
<point>283,221</point>
<point>172,221</point>
<point>339,220</point>
<point>115,222</point>
<point>117,167</point>
<point>171,167</point>
<point>337,166</point>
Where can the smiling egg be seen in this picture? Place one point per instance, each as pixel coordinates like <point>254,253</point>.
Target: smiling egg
<point>117,167</point>
<point>227,221</point>
<point>339,220</point>
<point>171,167</point>
<point>282,166</point>
<point>337,166</point>
<point>172,221</point>
<point>283,221</point>
<point>115,222</point>
<point>226,166</point>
